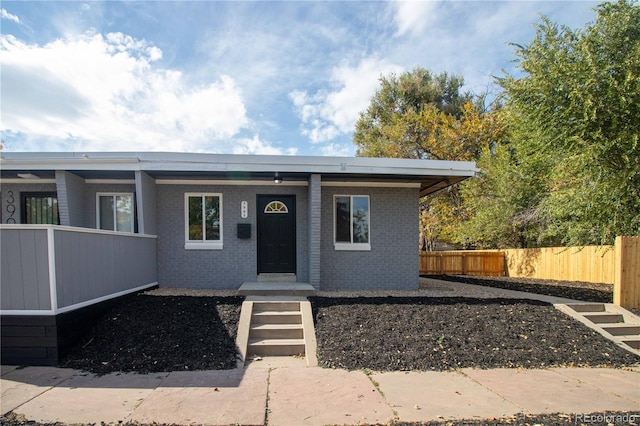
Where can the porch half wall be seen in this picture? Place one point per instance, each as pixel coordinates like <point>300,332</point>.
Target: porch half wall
<point>55,280</point>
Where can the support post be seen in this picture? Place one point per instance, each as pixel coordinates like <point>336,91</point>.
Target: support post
<point>315,205</point>
<point>626,286</point>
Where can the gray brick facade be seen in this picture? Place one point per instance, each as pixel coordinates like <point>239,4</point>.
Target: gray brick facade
<point>237,262</point>
<point>314,224</point>
<point>392,262</point>
<point>71,195</point>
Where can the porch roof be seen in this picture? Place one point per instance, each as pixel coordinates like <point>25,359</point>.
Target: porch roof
<point>430,175</point>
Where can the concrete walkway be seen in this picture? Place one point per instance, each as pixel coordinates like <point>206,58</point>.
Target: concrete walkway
<point>283,391</point>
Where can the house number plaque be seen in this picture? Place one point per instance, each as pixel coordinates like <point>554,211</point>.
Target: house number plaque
<point>244,209</point>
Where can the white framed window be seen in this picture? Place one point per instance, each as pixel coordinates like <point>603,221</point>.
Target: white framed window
<point>202,221</point>
<point>115,211</point>
<point>351,222</point>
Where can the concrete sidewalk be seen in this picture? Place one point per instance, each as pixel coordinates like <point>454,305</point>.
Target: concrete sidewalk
<point>284,392</point>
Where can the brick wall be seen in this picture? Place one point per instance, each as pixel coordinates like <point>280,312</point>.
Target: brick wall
<point>237,261</point>
<point>392,262</point>
<point>71,199</point>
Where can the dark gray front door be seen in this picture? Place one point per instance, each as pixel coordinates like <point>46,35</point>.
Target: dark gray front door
<point>276,233</point>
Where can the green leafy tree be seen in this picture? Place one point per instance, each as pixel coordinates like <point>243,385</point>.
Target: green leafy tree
<point>410,116</point>
<point>425,116</point>
<point>575,120</point>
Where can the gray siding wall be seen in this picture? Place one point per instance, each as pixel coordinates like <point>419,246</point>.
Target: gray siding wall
<point>392,262</point>
<point>93,265</point>
<point>25,270</point>
<point>71,196</point>
<point>11,203</point>
<point>237,261</point>
<point>146,203</point>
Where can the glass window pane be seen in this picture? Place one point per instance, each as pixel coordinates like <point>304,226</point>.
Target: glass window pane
<point>40,209</point>
<point>54,211</point>
<point>195,218</point>
<point>212,218</point>
<point>106,212</point>
<point>124,213</point>
<point>37,209</point>
<point>360,219</point>
<point>343,219</point>
<point>28,210</point>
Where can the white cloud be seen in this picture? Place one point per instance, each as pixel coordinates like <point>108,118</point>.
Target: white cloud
<point>11,17</point>
<point>257,146</point>
<point>338,150</point>
<point>110,93</point>
<point>330,113</point>
<point>413,17</point>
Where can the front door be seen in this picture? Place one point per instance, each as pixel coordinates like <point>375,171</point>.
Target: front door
<point>276,233</point>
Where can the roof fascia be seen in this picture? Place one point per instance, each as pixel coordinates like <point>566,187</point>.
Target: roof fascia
<point>43,161</point>
<point>162,161</point>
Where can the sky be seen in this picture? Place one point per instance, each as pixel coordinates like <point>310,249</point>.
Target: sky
<point>267,77</point>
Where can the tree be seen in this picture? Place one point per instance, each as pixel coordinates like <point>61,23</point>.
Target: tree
<point>410,116</point>
<point>425,116</point>
<point>574,118</point>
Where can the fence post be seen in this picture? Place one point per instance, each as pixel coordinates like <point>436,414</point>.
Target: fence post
<point>626,286</point>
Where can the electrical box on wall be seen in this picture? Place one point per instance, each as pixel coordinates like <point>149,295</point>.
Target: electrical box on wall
<point>244,230</point>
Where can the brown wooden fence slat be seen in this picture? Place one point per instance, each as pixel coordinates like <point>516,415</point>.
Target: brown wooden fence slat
<point>462,263</point>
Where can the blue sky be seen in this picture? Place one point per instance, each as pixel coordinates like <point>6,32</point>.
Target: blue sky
<point>237,77</point>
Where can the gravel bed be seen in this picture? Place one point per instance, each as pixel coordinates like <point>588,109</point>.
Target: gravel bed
<point>150,332</point>
<point>578,290</point>
<point>431,333</point>
<point>382,330</point>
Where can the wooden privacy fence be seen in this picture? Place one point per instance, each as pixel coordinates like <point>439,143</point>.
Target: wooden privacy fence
<point>487,263</point>
<point>618,265</point>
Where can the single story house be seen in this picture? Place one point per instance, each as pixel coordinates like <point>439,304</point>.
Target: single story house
<point>78,229</point>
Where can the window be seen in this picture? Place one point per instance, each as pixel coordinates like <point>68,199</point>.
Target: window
<point>276,207</point>
<point>40,208</point>
<point>116,211</point>
<point>352,222</point>
<point>203,221</point>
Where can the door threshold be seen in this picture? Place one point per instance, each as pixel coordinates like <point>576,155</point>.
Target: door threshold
<point>277,277</point>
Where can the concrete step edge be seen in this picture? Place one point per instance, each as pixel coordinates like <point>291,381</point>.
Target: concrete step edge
<point>276,342</point>
<point>270,326</point>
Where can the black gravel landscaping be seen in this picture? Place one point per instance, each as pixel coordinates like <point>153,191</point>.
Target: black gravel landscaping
<point>148,334</point>
<point>577,290</point>
<point>432,333</point>
<point>153,332</point>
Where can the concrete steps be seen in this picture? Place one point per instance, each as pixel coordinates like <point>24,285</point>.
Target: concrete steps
<point>613,322</point>
<point>276,326</point>
<point>276,329</point>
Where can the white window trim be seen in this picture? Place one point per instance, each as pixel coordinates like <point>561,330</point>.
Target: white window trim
<point>204,244</point>
<point>343,246</point>
<point>115,221</point>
